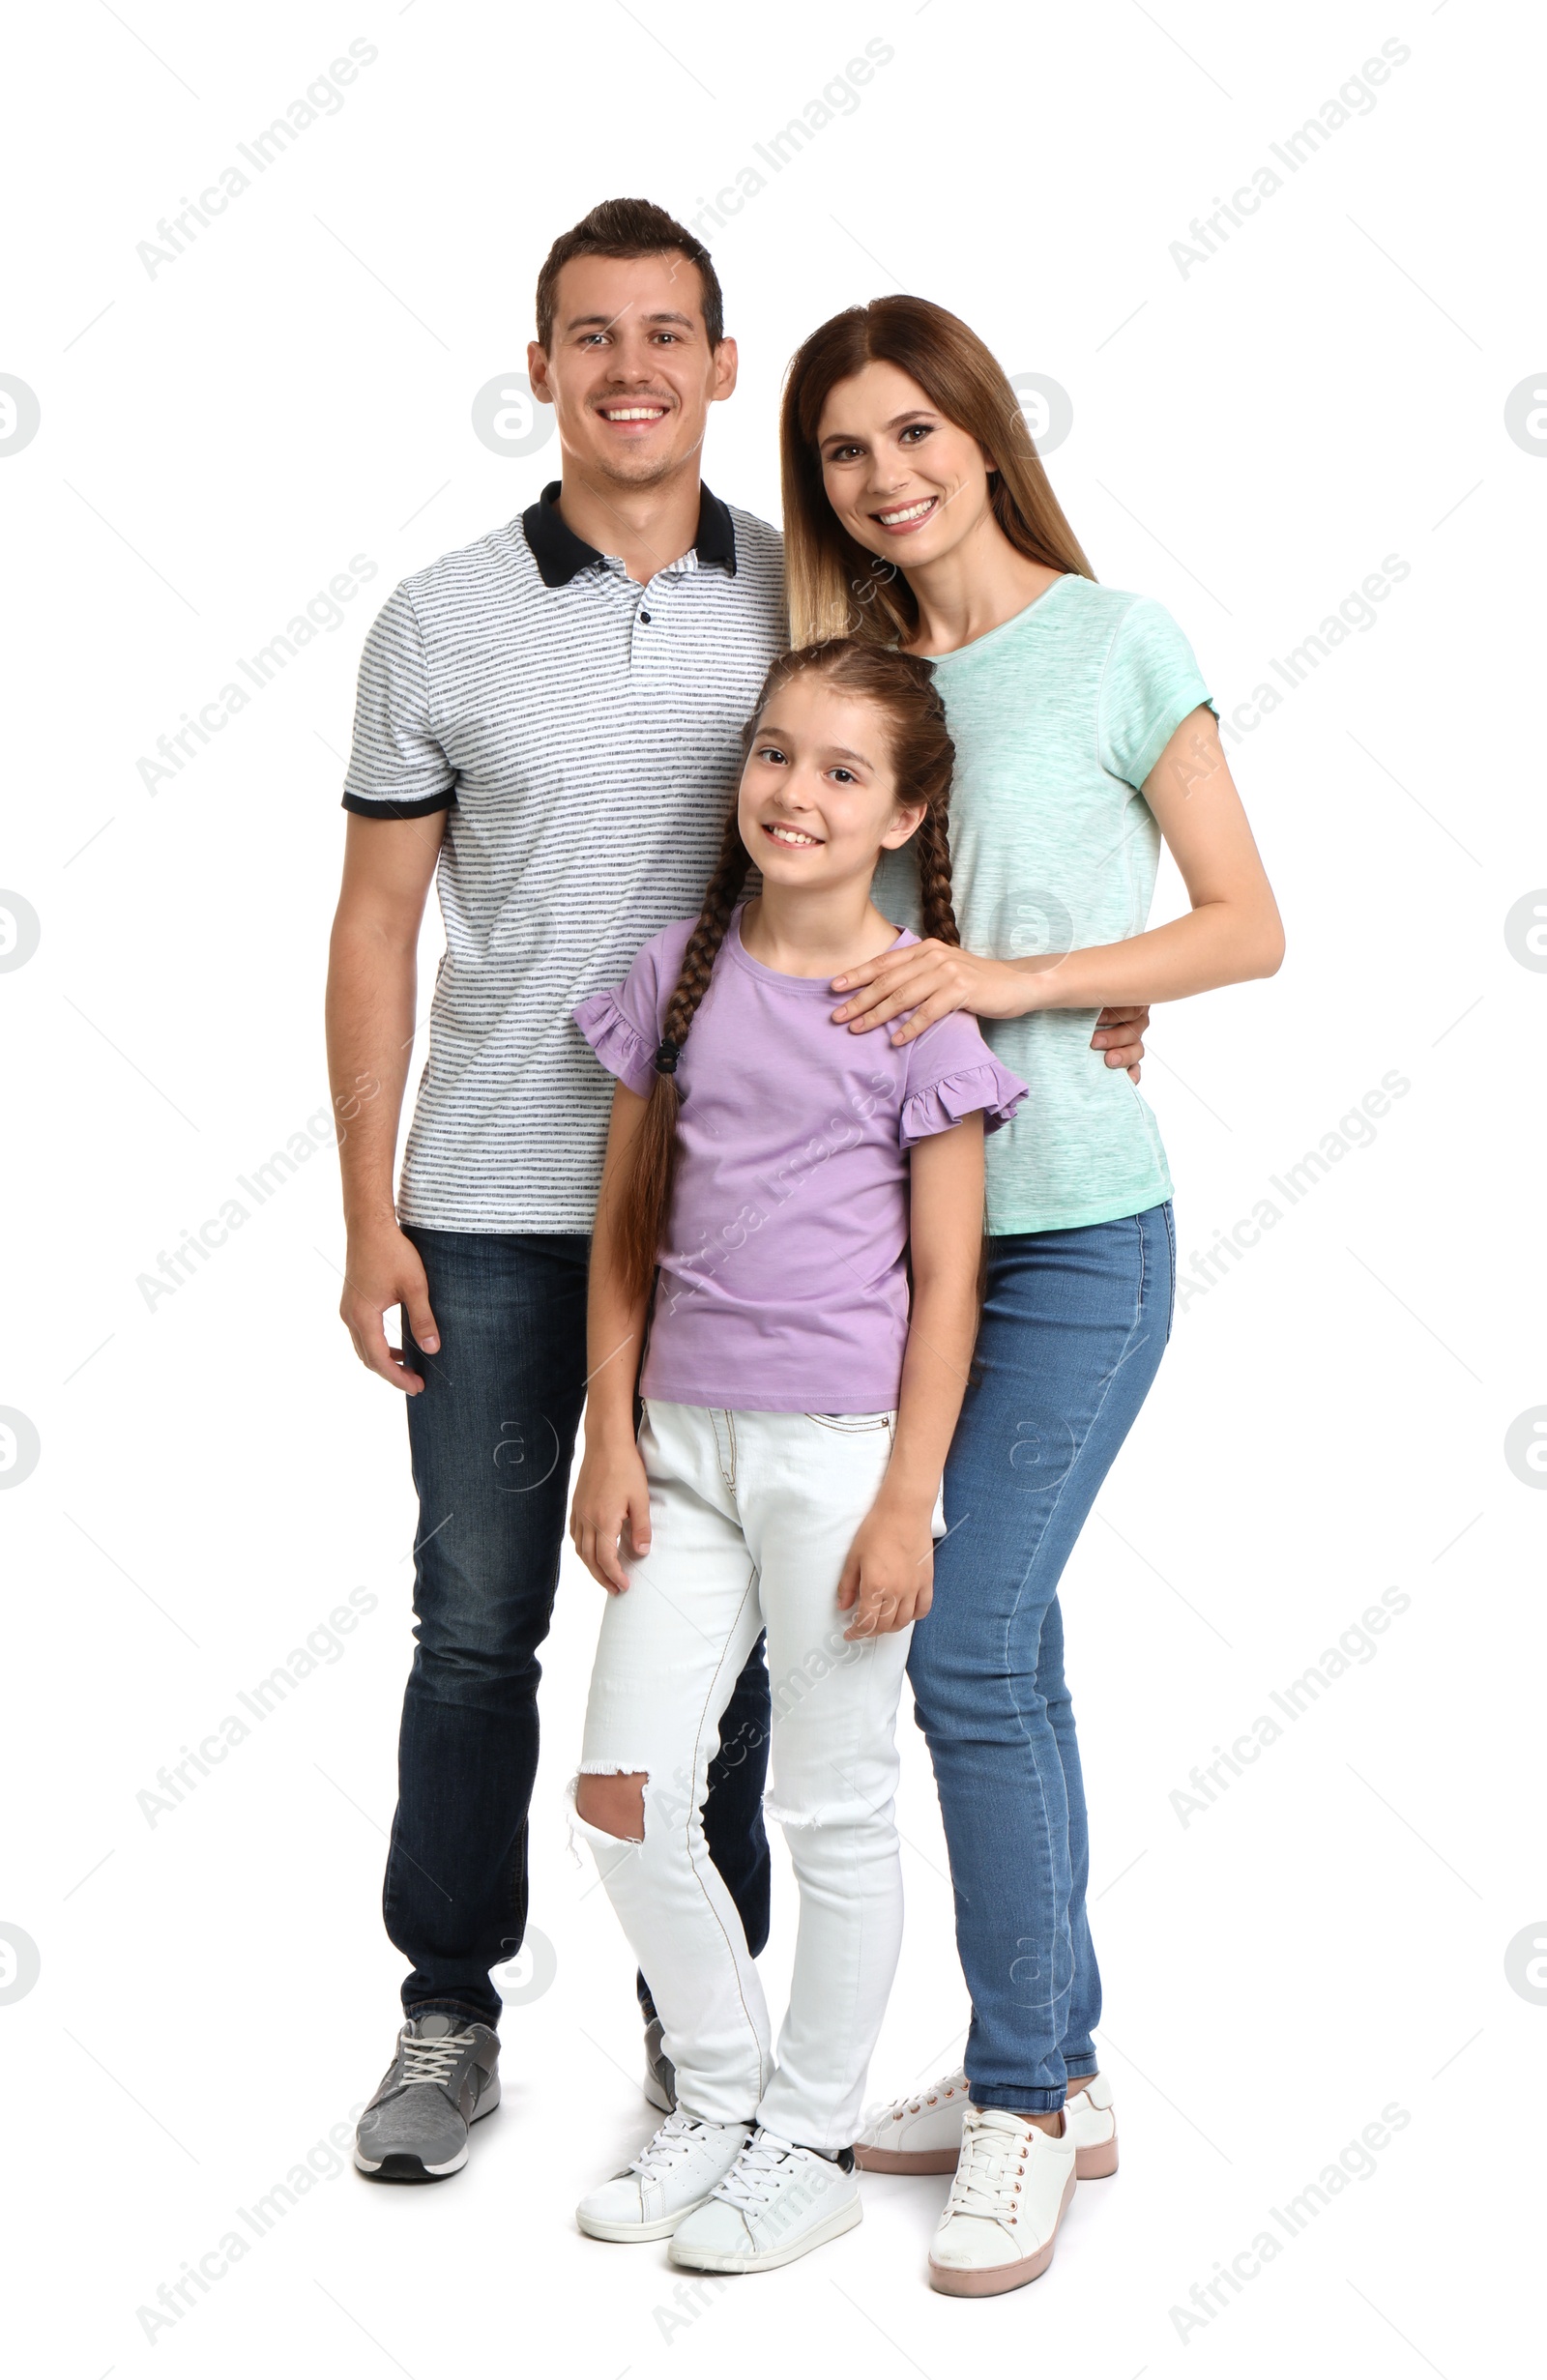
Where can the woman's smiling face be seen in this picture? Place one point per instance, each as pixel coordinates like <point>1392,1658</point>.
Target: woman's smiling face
<point>819,795</point>
<point>905,482</point>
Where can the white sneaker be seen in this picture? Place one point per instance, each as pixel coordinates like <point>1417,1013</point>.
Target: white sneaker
<point>776,2202</point>
<point>922,2134</point>
<point>1006,2204</point>
<point>672,2174</point>
<point>1092,2120</point>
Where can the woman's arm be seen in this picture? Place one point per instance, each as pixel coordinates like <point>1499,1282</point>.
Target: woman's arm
<point>889,1573</point>
<point>1231,933</point>
<point>611,1493</point>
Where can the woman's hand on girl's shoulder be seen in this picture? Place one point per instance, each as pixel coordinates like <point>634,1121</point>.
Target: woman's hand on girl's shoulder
<point>888,1579</point>
<point>612,1502</point>
<point>933,980</point>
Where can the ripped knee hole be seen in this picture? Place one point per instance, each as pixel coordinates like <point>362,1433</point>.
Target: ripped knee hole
<point>613,1801</point>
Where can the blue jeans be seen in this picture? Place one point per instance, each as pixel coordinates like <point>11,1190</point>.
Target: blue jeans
<point>1075,1325</point>
<point>492,1436</point>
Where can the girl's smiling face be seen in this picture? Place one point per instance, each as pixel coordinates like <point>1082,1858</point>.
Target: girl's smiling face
<point>819,795</point>
<point>905,482</point>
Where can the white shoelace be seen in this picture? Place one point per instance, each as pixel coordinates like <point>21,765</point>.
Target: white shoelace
<point>757,2172</point>
<point>671,2142</point>
<point>435,2060</point>
<point>994,2147</point>
<point>900,2107</point>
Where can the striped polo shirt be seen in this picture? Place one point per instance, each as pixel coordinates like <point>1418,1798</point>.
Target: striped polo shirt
<point>583,733</point>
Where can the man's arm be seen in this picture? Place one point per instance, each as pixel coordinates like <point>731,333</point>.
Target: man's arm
<point>372,982</point>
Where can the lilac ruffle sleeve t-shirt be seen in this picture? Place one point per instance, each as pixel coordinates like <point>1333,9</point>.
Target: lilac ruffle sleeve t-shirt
<point>783,1283</point>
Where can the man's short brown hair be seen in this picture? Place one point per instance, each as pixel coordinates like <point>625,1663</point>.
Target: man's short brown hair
<point>627,227</point>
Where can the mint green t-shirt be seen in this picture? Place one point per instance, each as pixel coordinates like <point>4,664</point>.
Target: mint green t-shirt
<point>1058,717</point>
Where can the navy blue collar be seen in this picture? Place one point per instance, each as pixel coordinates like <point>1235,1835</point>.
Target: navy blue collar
<point>560,555</point>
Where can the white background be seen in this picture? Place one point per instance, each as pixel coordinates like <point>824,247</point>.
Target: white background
<point>1251,439</point>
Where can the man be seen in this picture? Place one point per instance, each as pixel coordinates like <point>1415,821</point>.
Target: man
<point>552,715</point>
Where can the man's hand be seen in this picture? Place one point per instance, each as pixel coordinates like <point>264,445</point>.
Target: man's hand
<point>611,1499</point>
<point>888,1577</point>
<point>382,1269</point>
<point>1120,1033</point>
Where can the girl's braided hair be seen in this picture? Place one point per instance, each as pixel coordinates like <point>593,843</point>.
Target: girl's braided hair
<point>902,687</point>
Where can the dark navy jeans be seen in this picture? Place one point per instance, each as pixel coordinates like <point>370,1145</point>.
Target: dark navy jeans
<point>491,1435</point>
<point>1075,1325</point>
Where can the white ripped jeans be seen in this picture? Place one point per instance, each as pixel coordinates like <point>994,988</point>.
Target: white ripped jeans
<point>752,1515</point>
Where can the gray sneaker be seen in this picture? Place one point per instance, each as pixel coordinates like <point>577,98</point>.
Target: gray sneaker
<point>660,2076</point>
<point>443,2078</point>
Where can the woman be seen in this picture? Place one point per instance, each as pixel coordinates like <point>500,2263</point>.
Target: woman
<point>917,512</point>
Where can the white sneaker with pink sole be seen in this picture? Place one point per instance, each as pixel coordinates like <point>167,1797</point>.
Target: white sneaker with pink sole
<point>1012,2187</point>
<point>922,2133</point>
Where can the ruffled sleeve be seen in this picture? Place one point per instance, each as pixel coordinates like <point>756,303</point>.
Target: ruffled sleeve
<point>988,1088</point>
<point>619,1044</point>
<point>624,1025</point>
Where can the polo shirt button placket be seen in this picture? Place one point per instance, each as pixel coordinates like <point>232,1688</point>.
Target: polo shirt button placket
<point>501,683</point>
<point>644,619</point>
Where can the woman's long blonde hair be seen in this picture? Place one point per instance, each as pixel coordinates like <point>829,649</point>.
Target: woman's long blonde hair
<point>836,587</point>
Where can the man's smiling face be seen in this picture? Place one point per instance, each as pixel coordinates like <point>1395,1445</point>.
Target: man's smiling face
<point>630,373</point>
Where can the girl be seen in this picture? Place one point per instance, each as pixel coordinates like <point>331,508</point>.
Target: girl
<point>799,1399</point>
<point>918,513</point>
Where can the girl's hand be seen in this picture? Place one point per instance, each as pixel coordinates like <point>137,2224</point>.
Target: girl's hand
<point>611,1497</point>
<point>932,980</point>
<point>888,1577</point>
